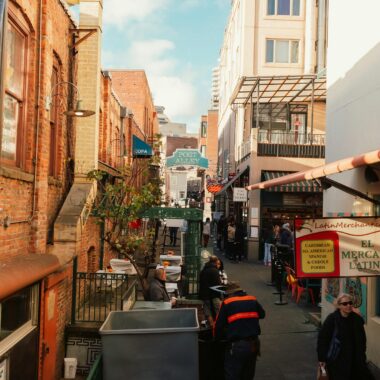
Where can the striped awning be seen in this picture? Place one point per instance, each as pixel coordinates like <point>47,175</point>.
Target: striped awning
<point>305,186</point>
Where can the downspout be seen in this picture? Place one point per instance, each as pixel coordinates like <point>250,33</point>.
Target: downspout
<point>3,23</point>
<point>37,107</point>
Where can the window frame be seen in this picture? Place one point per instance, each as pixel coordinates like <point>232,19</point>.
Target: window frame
<point>204,128</point>
<point>276,7</point>
<point>290,47</point>
<point>21,27</point>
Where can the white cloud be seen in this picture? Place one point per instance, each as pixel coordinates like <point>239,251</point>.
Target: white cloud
<point>153,56</point>
<point>120,12</point>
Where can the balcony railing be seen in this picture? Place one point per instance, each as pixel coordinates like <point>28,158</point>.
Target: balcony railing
<point>96,294</point>
<point>290,144</point>
<point>244,150</point>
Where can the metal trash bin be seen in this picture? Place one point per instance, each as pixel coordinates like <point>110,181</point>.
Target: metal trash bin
<point>150,345</point>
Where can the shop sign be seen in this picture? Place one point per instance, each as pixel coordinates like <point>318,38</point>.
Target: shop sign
<point>337,247</point>
<point>240,194</point>
<point>187,157</point>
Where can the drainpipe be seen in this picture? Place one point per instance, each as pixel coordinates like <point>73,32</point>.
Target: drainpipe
<point>37,108</point>
<point>3,23</point>
<point>101,245</point>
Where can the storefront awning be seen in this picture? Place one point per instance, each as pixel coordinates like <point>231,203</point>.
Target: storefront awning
<point>321,171</point>
<point>140,148</point>
<point>279,89</point>
<point>21,271</point>
<point>229,183</point>
<point>305,186</point>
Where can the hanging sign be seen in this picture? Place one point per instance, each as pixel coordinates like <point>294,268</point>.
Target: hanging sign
<point>240,194</point>
<point>187,157</point>
<point>337,247</point>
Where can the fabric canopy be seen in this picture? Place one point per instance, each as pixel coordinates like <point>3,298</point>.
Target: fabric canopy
<point>229,183</point>
<point>305,186</point>
<point>140,148</point>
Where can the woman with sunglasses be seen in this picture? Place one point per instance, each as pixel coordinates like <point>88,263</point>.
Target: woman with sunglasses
<point>350,362</point>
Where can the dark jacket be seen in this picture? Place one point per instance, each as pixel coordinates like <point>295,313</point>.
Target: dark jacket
<point>157,291</point>
<point>351,361</point>
<point>238,318</point>
<point>209,276</point>
<point>286,237</point>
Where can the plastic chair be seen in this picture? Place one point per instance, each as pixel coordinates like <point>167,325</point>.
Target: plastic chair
<point>301,288</point>
<point>291,281</point>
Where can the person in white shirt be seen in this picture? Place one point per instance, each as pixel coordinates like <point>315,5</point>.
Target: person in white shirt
<point>206,232</point>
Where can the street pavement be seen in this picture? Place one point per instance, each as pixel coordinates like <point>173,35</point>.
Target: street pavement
<point>288,338</point>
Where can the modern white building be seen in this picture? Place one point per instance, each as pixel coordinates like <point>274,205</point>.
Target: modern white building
<point>271,109</point>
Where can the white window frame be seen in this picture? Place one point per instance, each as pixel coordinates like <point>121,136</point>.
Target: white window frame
<point>275,41</point>
<point>276,9</point>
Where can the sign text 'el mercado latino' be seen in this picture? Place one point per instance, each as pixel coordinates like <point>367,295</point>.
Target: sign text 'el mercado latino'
<point>337,247</point>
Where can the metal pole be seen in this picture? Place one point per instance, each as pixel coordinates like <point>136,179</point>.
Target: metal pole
<point>257,103</point>
<point>312,113</point>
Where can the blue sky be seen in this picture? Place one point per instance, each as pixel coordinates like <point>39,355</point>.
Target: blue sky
<point>176,42</point>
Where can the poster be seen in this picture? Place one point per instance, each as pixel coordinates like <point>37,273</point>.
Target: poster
<point>337,247</point>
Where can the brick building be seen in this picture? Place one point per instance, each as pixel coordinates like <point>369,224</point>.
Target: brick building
<point>46,228</point>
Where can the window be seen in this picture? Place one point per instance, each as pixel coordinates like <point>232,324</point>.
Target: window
<point>203,150</point>
<point>282,51</point>
<point>18,309</point>
<point>283,8</point>
<point>181,194</point>
<point>54,119</point>
<point>204,129</point>
<point>14,96</point>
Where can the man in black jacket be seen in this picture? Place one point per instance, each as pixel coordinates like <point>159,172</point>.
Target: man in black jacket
<point>238,323</point>
<point>210,276</point>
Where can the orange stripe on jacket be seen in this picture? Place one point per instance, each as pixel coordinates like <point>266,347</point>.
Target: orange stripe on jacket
<point>241,298</point>
<point>235,317</point>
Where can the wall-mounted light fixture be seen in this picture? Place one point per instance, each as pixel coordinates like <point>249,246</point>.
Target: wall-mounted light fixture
<point>78,111</point>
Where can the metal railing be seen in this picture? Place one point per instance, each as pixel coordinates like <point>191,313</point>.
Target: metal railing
<point>96,294</point>
<point>290,144</point>
<point>290,138</point>
<point>244,150</point>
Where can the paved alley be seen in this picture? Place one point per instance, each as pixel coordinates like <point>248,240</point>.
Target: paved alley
<point>288,339</point>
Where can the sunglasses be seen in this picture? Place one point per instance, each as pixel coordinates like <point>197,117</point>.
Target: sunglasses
<point>346,303</point>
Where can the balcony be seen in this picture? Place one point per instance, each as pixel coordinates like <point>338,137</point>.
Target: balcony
<point>290,144</point>
<point>244,150</point>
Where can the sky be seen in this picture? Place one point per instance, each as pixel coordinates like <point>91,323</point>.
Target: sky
<point>177,43</point>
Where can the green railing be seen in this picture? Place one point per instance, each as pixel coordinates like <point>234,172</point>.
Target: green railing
<point>96,294</point>
<point>96,372</point>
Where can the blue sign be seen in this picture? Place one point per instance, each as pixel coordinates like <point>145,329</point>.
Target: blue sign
<point>140,148</point>
<point>187,157</point>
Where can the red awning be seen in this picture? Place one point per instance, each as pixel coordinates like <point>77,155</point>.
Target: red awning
<point>321,171</point>
<point>23,270</point>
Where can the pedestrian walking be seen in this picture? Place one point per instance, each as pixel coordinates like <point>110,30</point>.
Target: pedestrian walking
<point>210,276</point>
<point>268,244</point>
<point>238,323</point>
<point>173,235</point>
<point>231,230</point>
<point>206,232</point>
<point>221,224</point>
<point>239,242</point>
<point>341,343</point>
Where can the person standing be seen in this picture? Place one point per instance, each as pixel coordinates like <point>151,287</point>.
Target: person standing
<point>173,235</point>
<point>351,362</point>
<point>219,231</point>
<point>268,243</point>
<point>239,242</point>
<point>231,230</point>
<point>210,276</point>
<point>206,232</point>
<point>238,323</point>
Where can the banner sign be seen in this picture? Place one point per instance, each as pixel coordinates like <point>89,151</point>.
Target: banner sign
<point>337,247</point>
<point>240,194</point>
<point>187,157</point>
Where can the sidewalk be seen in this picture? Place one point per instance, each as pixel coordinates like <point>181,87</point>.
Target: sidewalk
<point>288,338</point>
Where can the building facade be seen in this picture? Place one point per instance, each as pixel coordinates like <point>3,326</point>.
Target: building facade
<point>271,110</point>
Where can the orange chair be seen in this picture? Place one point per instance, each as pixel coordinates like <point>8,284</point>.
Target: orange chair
<point>301,289</point>
<point>291,281</point>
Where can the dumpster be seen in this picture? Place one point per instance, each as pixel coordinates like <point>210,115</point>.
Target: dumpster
<point>150,345</point>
